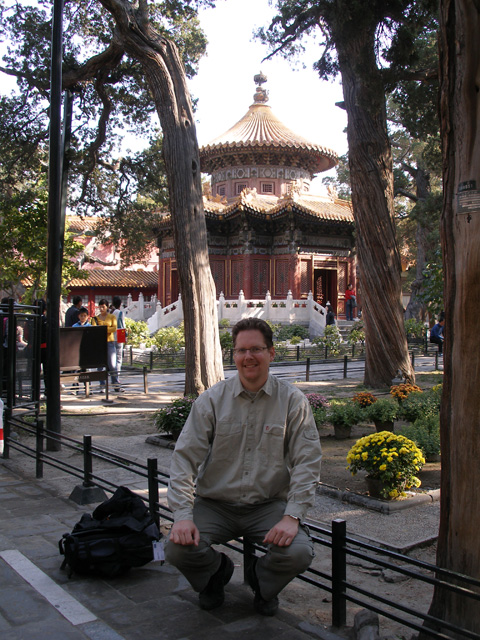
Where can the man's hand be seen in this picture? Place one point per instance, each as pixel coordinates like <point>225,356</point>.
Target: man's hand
<point>185,532</point>
<point>283,533</point>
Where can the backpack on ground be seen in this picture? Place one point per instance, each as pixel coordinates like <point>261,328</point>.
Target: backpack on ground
<point>118,535</point>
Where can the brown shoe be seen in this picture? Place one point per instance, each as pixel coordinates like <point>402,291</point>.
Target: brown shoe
<point>213,595</point>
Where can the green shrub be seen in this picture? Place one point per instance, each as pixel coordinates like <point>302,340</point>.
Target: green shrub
<point>295,340</point>
<point>320,415</point>
<point>383,410</point>
<point>226,342</point>
<point>170,420</point>
<point>224,323</point>
<point>414,328</point>
<point>343,413</point>
<point>169,340</point>
<point>418,404</point>
<point>425,432</point>
<point>138,332</point>
<point>357,334</point>
<point>286,332</point>
<point>331,339</point>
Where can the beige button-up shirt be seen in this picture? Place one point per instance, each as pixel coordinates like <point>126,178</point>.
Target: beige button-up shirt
<point>247,449</point>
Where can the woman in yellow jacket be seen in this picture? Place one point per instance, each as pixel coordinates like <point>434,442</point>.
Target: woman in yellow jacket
<point>108,320</point>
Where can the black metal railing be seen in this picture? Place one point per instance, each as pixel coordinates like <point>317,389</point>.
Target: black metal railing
<point>342,547</point>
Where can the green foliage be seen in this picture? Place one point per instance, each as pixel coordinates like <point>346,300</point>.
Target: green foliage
<point>425,432</point>
<point>226,342</point>
<point>343,413</point>
<point>391,458</point>
<point>169,340</point>
<point>421,404</point>
<point>295,340</point>
<point>224,323</point>
<point>357,334</point>
<point>170,420</point>
<point>331,339</point>
<point>138,332</point>
<point>432,294</point>
<point>275,327</point>
<point>414,328</point>
<point>127,189</point>
<point>288,331</point>
<point>23,245</point>
<point>383,410</point>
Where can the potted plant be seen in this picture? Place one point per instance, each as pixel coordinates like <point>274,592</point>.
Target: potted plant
<point>382,413</point>
<point>425,432</point>
<point>282,304</point>
<point>259,304</point>
<point>402,391</point>
<point>391,462</point>
<point>274,305</point>
<point>234,305</point>
<point>170,420</point>
<point>319,406</point>
<point>342,415</point>
<point>364,399</point>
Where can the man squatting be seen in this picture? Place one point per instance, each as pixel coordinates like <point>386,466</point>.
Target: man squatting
<point>251,451</point>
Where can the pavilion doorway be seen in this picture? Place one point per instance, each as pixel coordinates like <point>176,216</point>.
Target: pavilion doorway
<point>325,287</point>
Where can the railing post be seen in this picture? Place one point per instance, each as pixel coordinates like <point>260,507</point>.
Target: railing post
<point>248,557</point>
<point>151,360</point>
<point>412,355</point>
<point>345,364</point>
<point>131,355</point>
<point>39,450</point>
<point>152,466</point>
<point>339,573</point>
<point>353,350</point>
<point>307,372</point>
<point>326,352</point>
<point>87,461</point>
<point>145,380</point>
<point>298,352</point>
<point>436,360</point>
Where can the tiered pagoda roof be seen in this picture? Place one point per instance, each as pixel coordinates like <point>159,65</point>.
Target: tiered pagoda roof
<point>260,138</point>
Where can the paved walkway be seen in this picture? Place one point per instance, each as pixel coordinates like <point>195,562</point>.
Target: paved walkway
<point>38,600</point>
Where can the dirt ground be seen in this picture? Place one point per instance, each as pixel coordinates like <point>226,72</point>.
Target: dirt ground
<point>334,472</point>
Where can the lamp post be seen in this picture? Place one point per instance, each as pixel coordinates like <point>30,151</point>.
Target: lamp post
<point>55,229</point>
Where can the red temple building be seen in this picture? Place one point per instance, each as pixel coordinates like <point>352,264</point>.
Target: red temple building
<point>266,231</point>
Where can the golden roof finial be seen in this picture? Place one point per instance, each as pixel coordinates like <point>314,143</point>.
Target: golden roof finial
<point>261,95</point>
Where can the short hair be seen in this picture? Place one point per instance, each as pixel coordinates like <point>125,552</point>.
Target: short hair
<point>117,301</point>
<point>76,300</point>
<point>103,301</point>
<point>82,310</point>
<point>254,324</point>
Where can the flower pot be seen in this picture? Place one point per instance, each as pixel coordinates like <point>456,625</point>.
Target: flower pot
<point>375,487</point>
<point>341,432</point>
<point>383,425</point>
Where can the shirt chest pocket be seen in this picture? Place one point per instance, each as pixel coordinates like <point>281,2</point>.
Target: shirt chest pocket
<point>228,440</point>
<point>272,441</point>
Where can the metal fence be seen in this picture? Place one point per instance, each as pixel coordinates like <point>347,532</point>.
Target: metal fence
<point>342,547</point>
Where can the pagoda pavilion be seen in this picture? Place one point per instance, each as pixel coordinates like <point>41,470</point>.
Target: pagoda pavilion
<point>266,232</point>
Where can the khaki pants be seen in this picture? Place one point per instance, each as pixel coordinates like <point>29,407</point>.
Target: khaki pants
<point>220,522</point>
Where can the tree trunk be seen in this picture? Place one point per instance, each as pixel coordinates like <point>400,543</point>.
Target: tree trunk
<point>166,78</point>
<point>416,307</point>
<point>371,173</point>
<point>459,542</point>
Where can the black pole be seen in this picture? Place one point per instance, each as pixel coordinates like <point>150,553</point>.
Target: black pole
<point>55,237</point>
<point>339,573</point>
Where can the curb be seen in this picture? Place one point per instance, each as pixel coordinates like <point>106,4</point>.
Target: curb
<point>376,504</point>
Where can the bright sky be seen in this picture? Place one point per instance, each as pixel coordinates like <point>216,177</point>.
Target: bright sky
<point>224,85</point>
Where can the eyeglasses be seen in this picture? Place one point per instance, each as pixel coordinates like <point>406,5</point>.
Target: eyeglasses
<point>254,351</point>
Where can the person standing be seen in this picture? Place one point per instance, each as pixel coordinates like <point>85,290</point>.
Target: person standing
<point>108,320</point>
<point>330,317</point>
<point>118,313</point>
<point>350,301</point>
<point>251,447</point>
<point>71,315</point>
<point>82,318</point>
